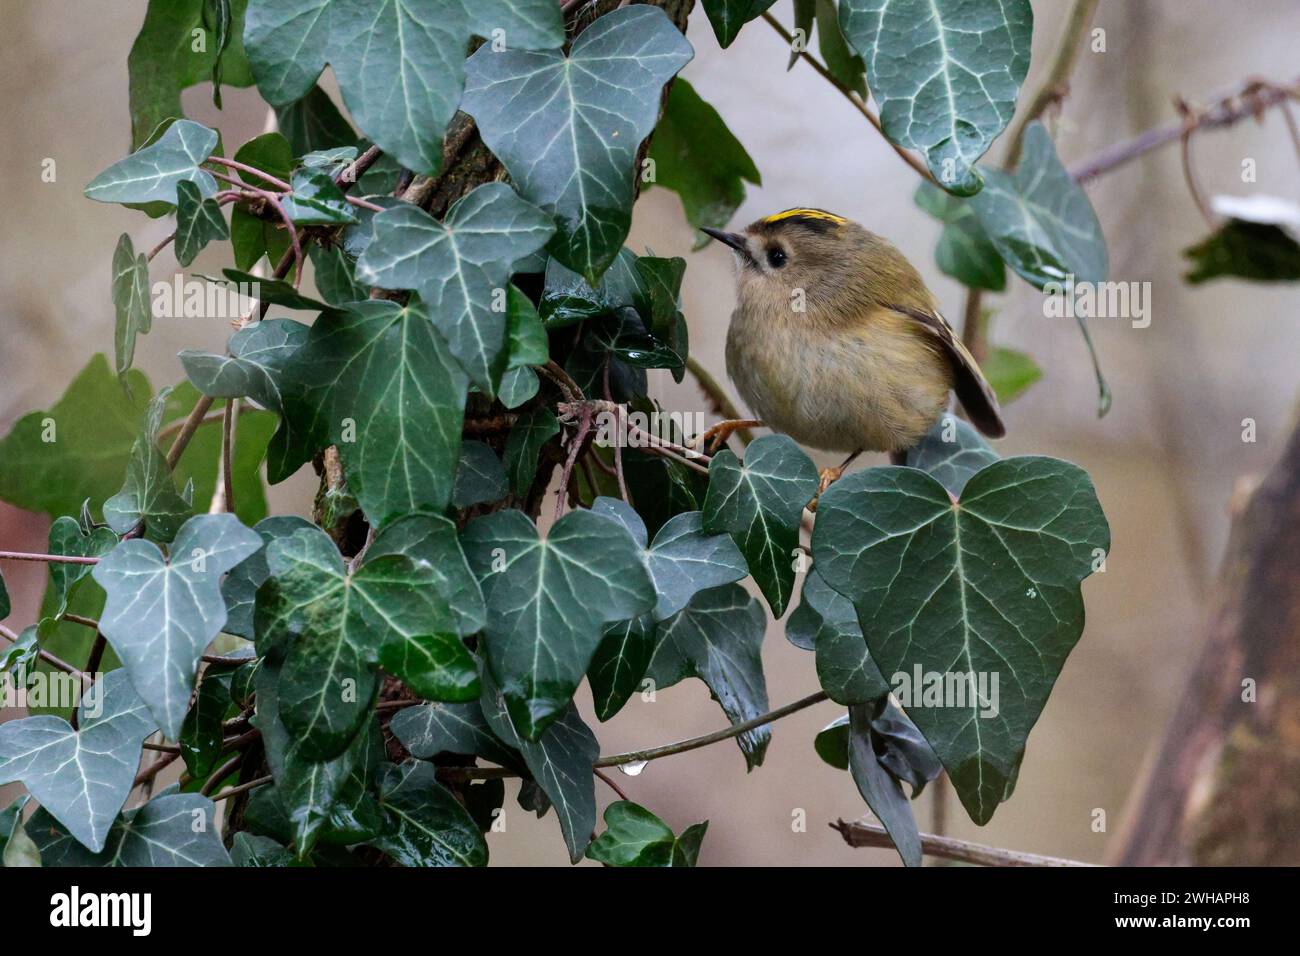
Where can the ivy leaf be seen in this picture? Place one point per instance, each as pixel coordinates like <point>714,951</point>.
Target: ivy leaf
<point>152,173</point>
<point>988,587</point>
<point>20,657</point>
<point>480,476</point>
<point>845,669</point>
<point>198,222</point>
<point>251,237</point>
<point>636,837</point>
<point>377,380</point>
<point>719,638</point>
<point>16,847</point>
<point>130,300</point>
<point>460,267</point>
<point>399,65</point>
<point>620,663</point>
<point>82,777</point>
<point>524,445</point>
<point>568,298</point>
<point>683,560</point>
<point>964,250</point>
<point>162,611</point>
<point>149,492</point>
<point>847,68</point>
<point>335,275</point>
<point>273,291</point>
<point>329,626</point>
<point>316,200</point>
<point>568,128</point>
<point>318,795</point>
<point>561,761</point>
<point>426,825</point>
<point>697,157</point>
<point>946,74</point>
<point>313,122</point>
<point>1259,251</point>
<point>201,733</point>
<point>239,589</point>
<point>254,366</point>
<point>548,600</point>
<point>67,537</point>
<point>163,61</point>
<point>431,729</point>
<point>728,16</point>
<point>760,501</point>
<point>1040,219</point>
<point>160,833</point>
<point>1010,372</point>
<point>951,452</point>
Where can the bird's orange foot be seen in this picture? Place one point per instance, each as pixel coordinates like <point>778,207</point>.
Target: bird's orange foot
<point>717,436</point>
<point>828,477</point>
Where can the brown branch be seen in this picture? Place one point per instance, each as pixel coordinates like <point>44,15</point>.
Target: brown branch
<point>244,788</point>
<point>48,558</point>
<point>873,835</point>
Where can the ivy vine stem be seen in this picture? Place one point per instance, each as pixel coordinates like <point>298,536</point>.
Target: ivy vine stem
<point>874,835</point>
<point>47,558</point>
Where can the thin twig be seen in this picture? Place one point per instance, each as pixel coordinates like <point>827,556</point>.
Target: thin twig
<point>227,454</point>
<point>188,428</point>
<point>56,662</point>
<point>610,783</point>
<point>220,774</point>
<point>144,776</point>
<point>243,788</point>
<point>48,558</point>
<point>873,835</point>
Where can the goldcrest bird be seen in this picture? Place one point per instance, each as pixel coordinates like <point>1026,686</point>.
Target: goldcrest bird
<point>837,342</point>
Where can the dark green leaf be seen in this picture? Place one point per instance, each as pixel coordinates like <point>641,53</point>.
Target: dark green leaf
<point>162,611</point>
<point>697,157</point>
<point>524,444</point>
<point>719,638</point>
<point>68,537</point>
<point>314,122</point>
<point>728,16</point>
<point>480,476</point>
<point>432,729</point>
<point>636,837</point>
<point>760,501</point>
<point>130,300</point>
<point>376,380</point>
<point>946,74</point>
<point>951,452</point>
<point>987,589</point>
<point>198,222</point>
<point>878,787</point>
<point>620,663</point>
<point>81,777</point>
<point>568,128</point>
<point>548,600</point>
<point>239,589</point>
<point>847,68</point>
<point>1262,252</point>
<point>163,61</point>
<point>151,174</point>
<point>336,275</point>
<point>461,267</point>
<point>845,669</point>
<point>149,492</point>
<point>201,733</point>
<point>426,825</point>
<point>964,250</point>
<point>316,200</point>
<point>254,365</point>
<point>163,832</point>
<point>561,762</point>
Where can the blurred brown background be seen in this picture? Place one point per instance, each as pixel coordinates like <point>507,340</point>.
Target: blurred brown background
<point>1165,460</point>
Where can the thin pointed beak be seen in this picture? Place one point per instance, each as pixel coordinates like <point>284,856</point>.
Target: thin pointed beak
<point>733,239</point>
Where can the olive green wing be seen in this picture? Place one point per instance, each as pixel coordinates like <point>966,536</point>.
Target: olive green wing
<point>972,388</point>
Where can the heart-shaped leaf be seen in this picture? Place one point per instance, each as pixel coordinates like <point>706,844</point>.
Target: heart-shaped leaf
<point>480,476</point>
<point>149,492</point>
<point>425,824</point>
<point>130,300</point>
<point>163,832</point>
<point>461,268</point>
<point>951,452</point>
<point>760,501</point>
<point>636,837</point>
<point>82,777</point>
<point>719,639</point>
<point>68,537</point>
<point>568,128</point>
<point>239,589</point>
<point>946,74</point>
<point>254,365</point>
<point>982,590</point>
<point>198,222</point>
<point>162,611</point>
<point>548,600</point>
<point>150,174</point>
<point>376,380</point>
<point>400,65</point>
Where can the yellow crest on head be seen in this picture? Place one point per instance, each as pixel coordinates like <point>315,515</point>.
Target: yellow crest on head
<point>805,213</point>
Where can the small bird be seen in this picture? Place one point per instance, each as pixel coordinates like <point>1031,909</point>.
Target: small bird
<point>837,342</point>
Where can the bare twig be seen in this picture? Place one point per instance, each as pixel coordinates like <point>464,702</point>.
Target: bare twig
<point>243,788</point>
<point>873,835</point>
<point>609,782</point>
<point>48,558</point>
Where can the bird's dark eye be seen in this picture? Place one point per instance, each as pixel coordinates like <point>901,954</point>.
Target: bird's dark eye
<point>775,258</point>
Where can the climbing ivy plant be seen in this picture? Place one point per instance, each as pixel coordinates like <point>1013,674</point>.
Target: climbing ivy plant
<point>493,527</point>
